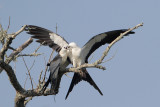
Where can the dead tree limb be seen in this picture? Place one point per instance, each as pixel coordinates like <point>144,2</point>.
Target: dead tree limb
<point>21,93</point>
<point>17,51</point>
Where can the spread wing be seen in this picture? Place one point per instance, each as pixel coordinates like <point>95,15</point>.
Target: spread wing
<point>99,40</point>
<point>46,37</point>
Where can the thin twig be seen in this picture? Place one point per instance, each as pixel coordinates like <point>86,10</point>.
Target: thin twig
<point>11,48</point>
<point>91,58</point>
<point>33,54</point>
<point>34,82</point>
<point>51,55</point>
<point>9,23</point>
<point>28,72</point>
<point>9,41</point>
<point>32,65</point>
<point>38,48</point>
<point>13,35</point>
<point>18,50</point>
<point>40,76</point>
<point>56,28</point>
<point>25,82</point>
<point>67,75</point>
<point>110,58</point>
<point>15,67</point>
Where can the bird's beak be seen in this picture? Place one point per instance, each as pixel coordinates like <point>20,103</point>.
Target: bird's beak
<point>69,47</point>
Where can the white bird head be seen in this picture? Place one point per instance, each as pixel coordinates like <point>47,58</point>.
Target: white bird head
<point>72,45</point>
<point>64,50</point>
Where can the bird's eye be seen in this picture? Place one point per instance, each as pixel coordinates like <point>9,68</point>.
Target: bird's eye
<point>68,47</point>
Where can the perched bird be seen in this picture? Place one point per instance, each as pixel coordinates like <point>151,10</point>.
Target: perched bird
<point>60,62</point>
<point>80,56</point>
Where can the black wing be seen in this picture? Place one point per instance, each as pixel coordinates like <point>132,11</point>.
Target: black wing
<point>54,73</point>
<point>46,37</point>
<point>99,40</point>
<point>86,77</point>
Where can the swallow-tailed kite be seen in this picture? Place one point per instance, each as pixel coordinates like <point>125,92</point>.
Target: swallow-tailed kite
<point>80,56</point>
<point>60,62</point>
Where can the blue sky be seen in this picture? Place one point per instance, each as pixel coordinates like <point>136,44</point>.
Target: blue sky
<point>132,76</point>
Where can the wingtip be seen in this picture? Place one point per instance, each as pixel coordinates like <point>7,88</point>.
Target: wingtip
<point>29,27</point>
<point>26,28</point>
<point>132,32</point>
<point>66,97</point>
<point>100,92</point>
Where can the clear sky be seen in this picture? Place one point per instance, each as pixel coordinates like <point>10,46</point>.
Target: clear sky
<point>132,77</point>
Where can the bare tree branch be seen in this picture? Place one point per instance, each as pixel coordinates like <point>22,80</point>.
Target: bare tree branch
<point>17,51</point>
<point>9,41</point>
<point>17,86</point>
<point>17,33</point>
<point>109,58</point>
<point>51,55</point>
<point>12,77</point>
<point>32,54</point>
<point>28,72</point>
<point>116,40</point>
<point>3,35</point>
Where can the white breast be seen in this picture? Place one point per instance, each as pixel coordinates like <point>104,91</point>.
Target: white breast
<point>76,56</point>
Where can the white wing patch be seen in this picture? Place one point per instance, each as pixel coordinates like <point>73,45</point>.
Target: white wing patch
<point>58,40</point>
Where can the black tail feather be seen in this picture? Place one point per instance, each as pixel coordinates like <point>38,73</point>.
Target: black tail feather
<point>77,78</point>
<point>46,85</point>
